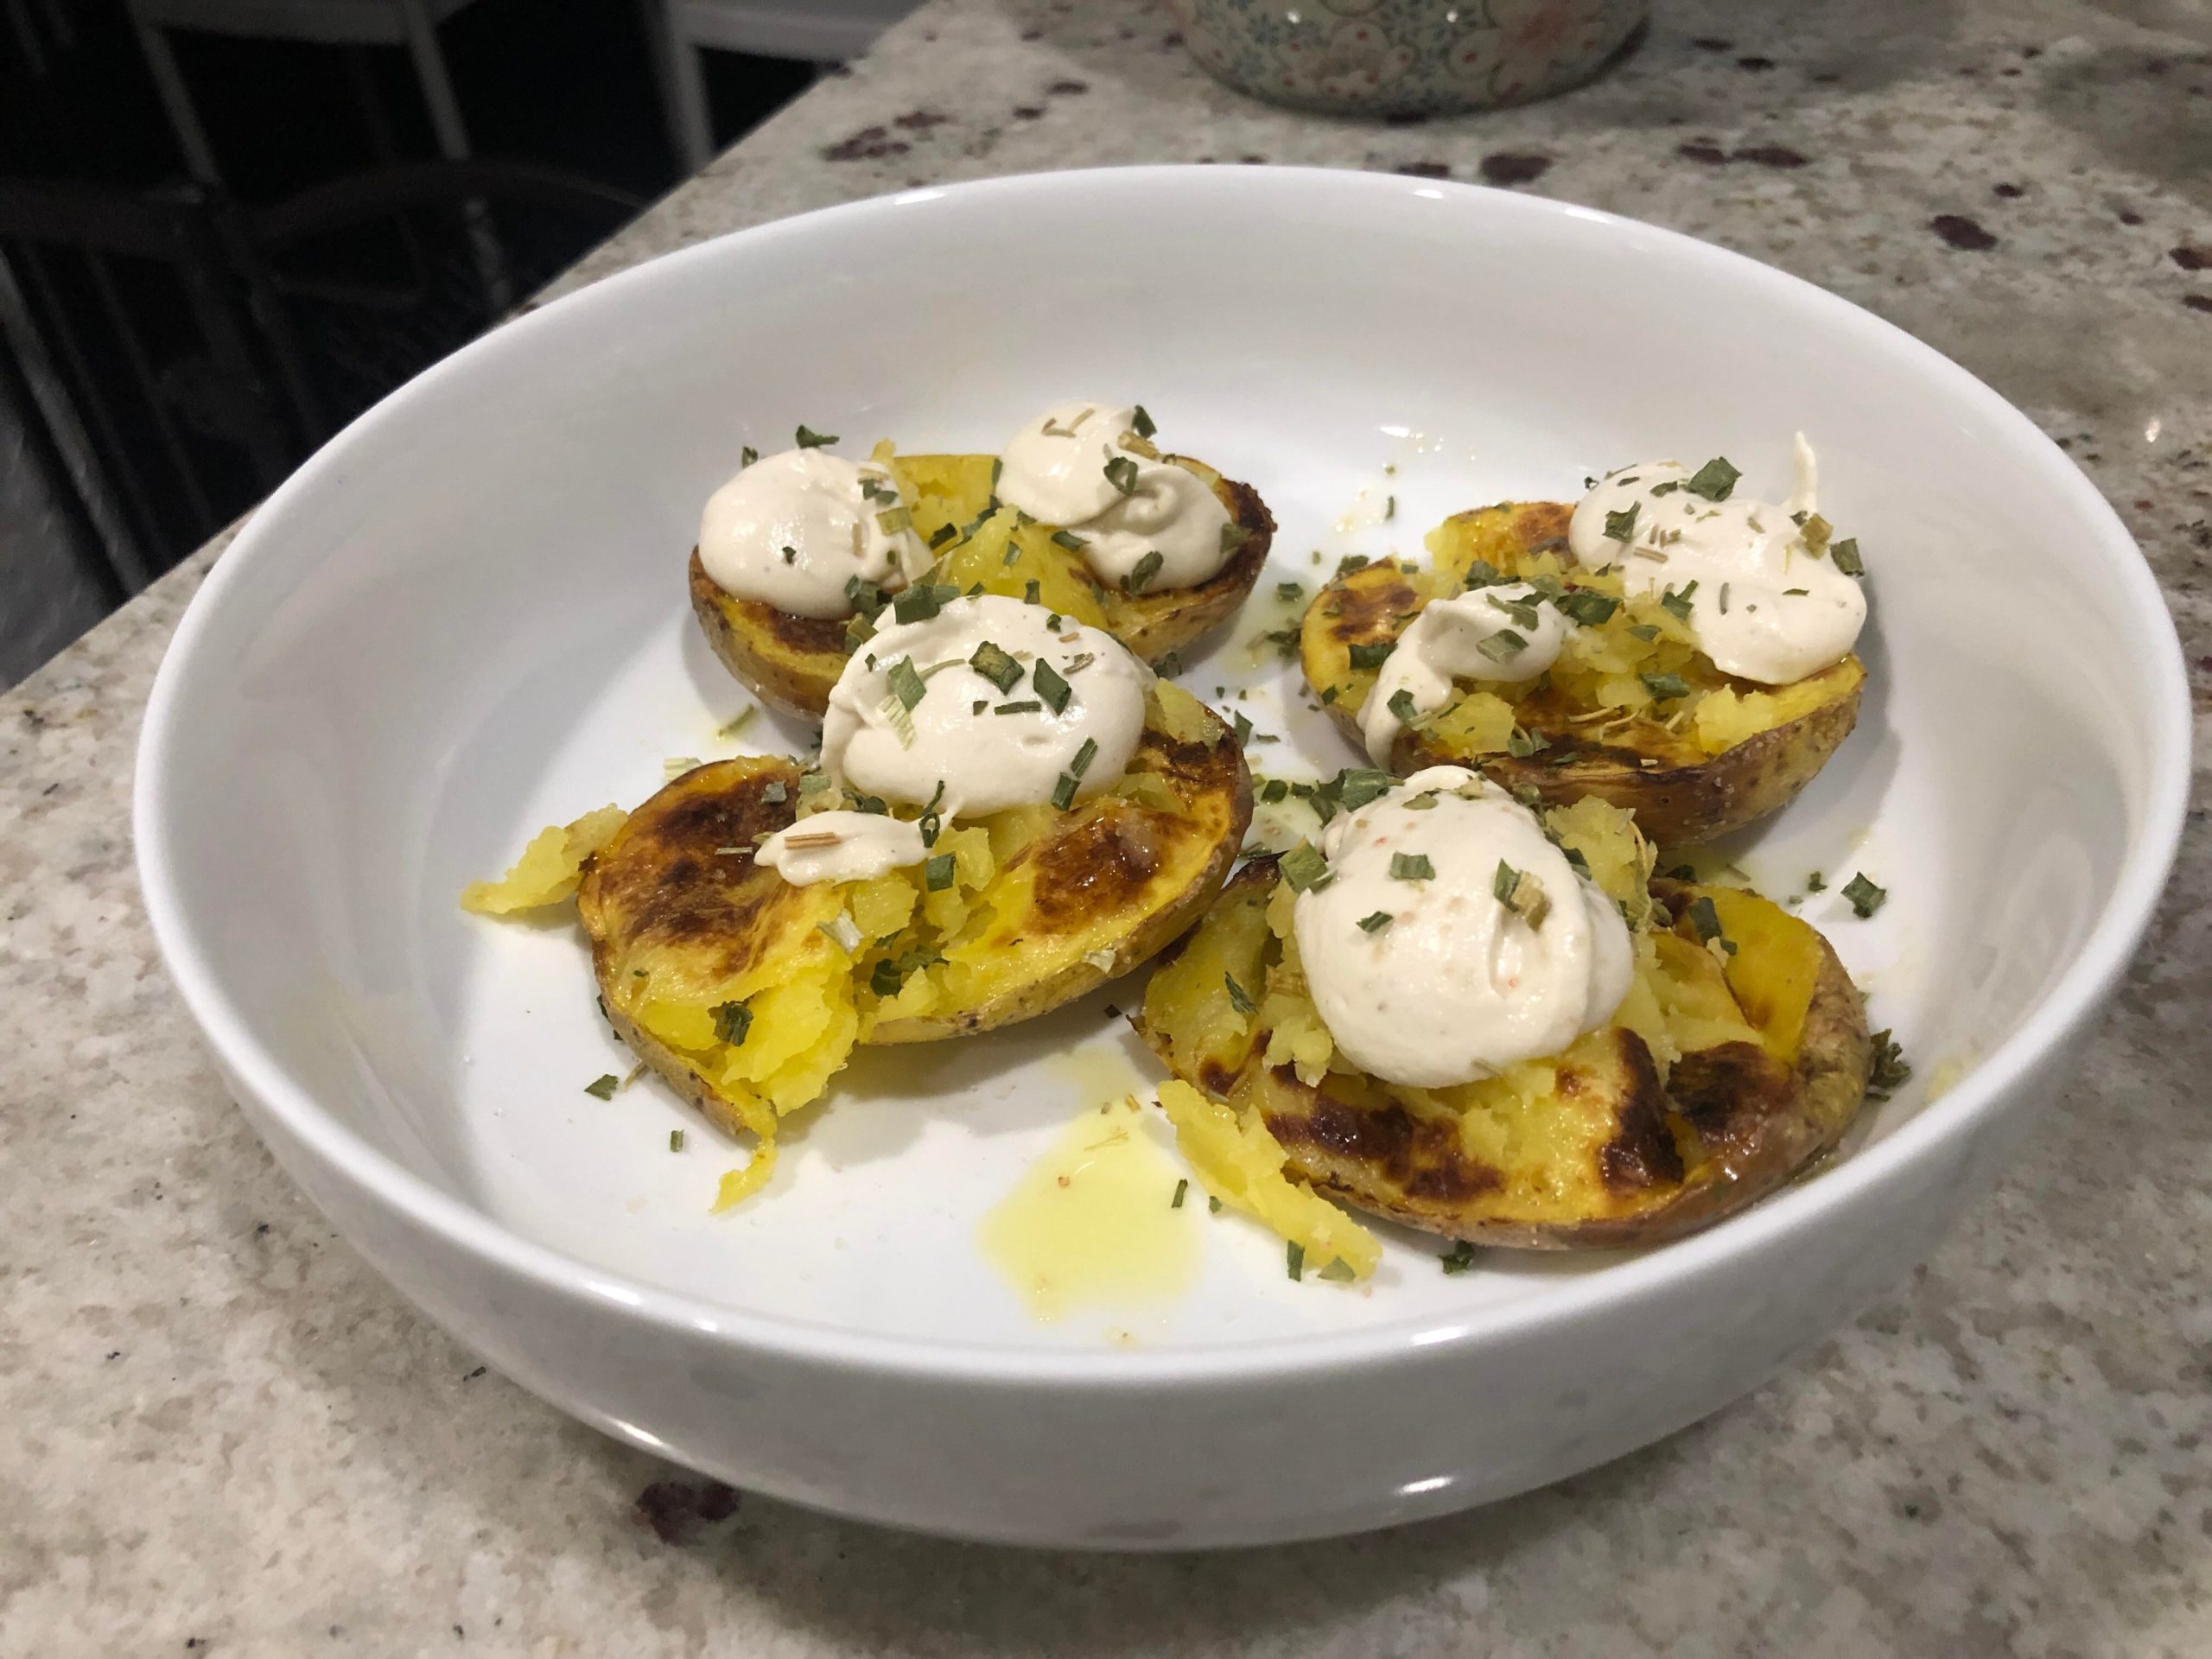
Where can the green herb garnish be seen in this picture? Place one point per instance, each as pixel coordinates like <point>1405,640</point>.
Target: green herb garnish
<point>937,873</point>
<point>1375,922</point>
<point>1121,474</point>
<point>1026,706</point>
<point>1522,744</point>
<point>1707,920</point>
<point>1372,653</point>
<point>1502,644</point>
<point>603,1088</point>
<point>1294,1259</point>
<point>1714,481</point>
<point>921,601</point>
<point>1665,687</point>
<point>905,684</point>
<point>941,535</point>
<point>1888,1072</point>
<point>1290,592</point>
<point>1621,526</point>
<point>676,1140</point>
<point>1064,790</point>
<point>1304,869</point>
<point>1865,898</point>
<point>1239,999</point>
<point>1181,1187</point>
<point>1141,577</point>
<point>1141,422</point>
<point>1844,554</point>
<point>1084,756</point>
<point>732,1020</point>
<point>996,664</point>
<point>746,456</point>
<point>1045,681</point>
<point>1402,704</point>
<point>1458,1258</point>
<point>1677,605</point>
<point>1588,608</point>
<point>807,440</point>
<point>1411,867</point>
<point>1352,561</point>
<point>1274,788</point>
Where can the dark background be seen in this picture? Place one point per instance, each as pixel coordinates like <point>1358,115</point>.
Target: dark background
<point>173,349</point>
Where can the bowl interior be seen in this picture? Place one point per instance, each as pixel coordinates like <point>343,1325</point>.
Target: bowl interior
<point>466,620</point>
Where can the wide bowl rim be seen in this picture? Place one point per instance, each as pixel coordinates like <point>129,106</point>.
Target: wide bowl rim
<point>1998,1083</point>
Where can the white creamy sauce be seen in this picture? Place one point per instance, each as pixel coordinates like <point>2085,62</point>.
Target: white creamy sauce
<point>1063,467</point>
<point>1454,985</point>
<point>841,846</point>
<point>1470,636</point>
<point>955,734</point>
<point>1765,607</point>
<point>792,529</point>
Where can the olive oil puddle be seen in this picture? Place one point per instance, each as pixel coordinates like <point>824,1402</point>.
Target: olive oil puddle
<point>1094,1221</point>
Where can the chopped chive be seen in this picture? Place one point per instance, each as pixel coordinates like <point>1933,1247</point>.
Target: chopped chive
<point>1030,591</point>
<point>807,440</point>
<point>1724,597</point>
<point>1069,540</point>
<point>603,1088</point>
<point>1643,631</point>
<point>1621,526</point>
<point>1816,882</point>
<point>997,665</point>
<point>1520,743</point>
<point>1274,788</point>
<point>1665,687</point>
<point>1213,1205</point>
<point>1522,611</point>
<point>1181,1187</point>
<point>1294,1259</point>
<point>1148,568</point>
<point>1458,1258</point>
<point>1402,704</point>
<point>937,873</point>
<point>1889,1073</point>
<point>921,601</point>
<point>1239,998</point>
<point>1064,790</point>
<point>941,535</point>
<point>1844,556</point>
<point>884,978</point>
<point>1389,507</point>
<point>1026,706</point>
<point>732,1020</point>
<point>1677,605</point>
<point>1085,756</point>
<point>1707,920</point>
<point>1121,474</point>
<point>1865,898</point>
<point>1233,536</point>
<point>1354,786</point>
<point>1502,644</point>
<point>1304,869</point>
<point>676,1140</point>
<point>1590,609</point>
<point>905,684</point>
<point>1142,422</point>
<point>1290,592</point>
<point>1372,653</point>
<point>1352,561</point>
<point>790,554</point>
<point>1375,922</point>
<point>747,455</point>
<point>1411,867</point>
<point>1054,690</point>
<point>1714,481</point>
<point>1481,573</point>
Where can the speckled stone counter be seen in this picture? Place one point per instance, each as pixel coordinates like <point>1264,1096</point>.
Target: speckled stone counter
<point>223,1436</point>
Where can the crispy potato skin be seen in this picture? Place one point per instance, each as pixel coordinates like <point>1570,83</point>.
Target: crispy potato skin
<point>1105,867</point>
<point>660,882</point>
<point>1681,795</point>
<point>665,891</point>
<point>1757,1121</point>
<point>793,661</point>
<point>788,661</point>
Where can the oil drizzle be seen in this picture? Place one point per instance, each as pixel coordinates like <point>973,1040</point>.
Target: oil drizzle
<point>1093,1220</point>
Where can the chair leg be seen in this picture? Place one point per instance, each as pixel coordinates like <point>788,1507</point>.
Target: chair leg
<point>452,142</point>
<point>683,84</point>
<point>176,99</point>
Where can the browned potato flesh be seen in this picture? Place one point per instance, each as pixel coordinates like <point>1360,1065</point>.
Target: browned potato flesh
<point>1721,755</point>
<point>793,661</point>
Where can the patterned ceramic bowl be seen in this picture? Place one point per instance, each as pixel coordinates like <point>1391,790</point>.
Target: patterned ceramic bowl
<point>1404,57</point>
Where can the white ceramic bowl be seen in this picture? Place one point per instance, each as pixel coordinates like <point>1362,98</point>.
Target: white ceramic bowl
<point>465,619</point>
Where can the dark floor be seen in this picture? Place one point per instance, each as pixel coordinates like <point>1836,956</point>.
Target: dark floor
<point>173,351</point>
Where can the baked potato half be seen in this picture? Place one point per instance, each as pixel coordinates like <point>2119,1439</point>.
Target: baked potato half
<point>1714,754</point>
<point>793,661</point>
<point>1740,1054</point>
<point>747,993</point>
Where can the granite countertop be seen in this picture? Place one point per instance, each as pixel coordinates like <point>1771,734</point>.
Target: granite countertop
<point>225,1435</point>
